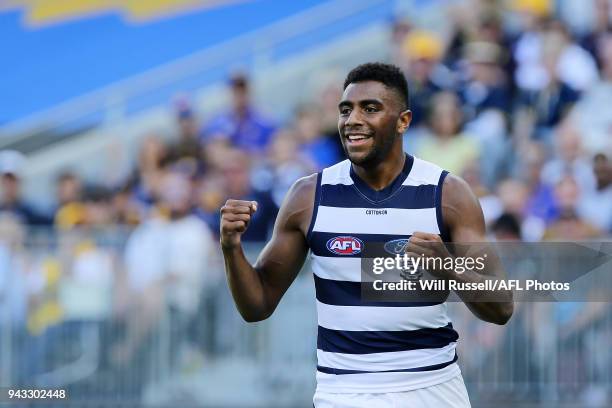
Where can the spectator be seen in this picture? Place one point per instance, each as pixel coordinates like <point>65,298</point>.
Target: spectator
<point>513,195</point>
<point>318,149</point>
<point>489,202</point>
<point>152,157</point>
<point>485,96</point>
<point>591,113</point>
<point>486,85</point>
<point>596,207</point>
<point>242,126</point>
<point>235,169</point>
<point>166,260</point>
<point>550,103</point>
<point>601,28</point>
<point>506,228</point>
<point>13,261</point>
<point>422,51</point>
<point>573,65</point>
<point>541,203</point>
<point>489,29</point>
<point>189,247</point>
<point>98,207</point>
<point>71,209</point>
<point>327,101</point>
<point>569,225</point>
<point>11,202</point>
<point>187,144</point>
<point>569,160</point>
<point>446,145</point>
<point>209,197</point>
<point>526,51</point>
<point>328,91</point>
<point>141,303</point>
<point>400,28</point>
<point>14,297</point>
<point>286,164</point>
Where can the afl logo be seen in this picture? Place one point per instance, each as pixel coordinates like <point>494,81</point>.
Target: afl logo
<point>345,245</point>
<point>397,246</point>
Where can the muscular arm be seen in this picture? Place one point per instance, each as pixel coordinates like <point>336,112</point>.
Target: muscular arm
<point>257,289</point>
<point>463,216</point>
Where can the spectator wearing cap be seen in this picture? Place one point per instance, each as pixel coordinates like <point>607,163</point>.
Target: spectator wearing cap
<point>11,166</point>
<point>242,126</point>
<point>422,51</point>
<point>187,145</point>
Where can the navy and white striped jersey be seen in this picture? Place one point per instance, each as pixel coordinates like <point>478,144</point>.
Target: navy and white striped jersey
<point>375,347</point>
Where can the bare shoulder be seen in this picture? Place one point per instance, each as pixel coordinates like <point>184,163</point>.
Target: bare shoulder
<point>455,189</point>
<point>305,187</point>
<point>297,206</point>
<point>459,203</point>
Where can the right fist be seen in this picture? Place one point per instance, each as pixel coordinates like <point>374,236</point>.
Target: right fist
<point>235,217</point>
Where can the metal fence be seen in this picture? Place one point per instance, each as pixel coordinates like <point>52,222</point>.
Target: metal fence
<point>66,318</point>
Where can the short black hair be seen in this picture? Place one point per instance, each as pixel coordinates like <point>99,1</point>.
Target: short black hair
<point>389,75</point>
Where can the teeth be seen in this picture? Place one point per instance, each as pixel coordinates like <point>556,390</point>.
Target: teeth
<point>356,137</point>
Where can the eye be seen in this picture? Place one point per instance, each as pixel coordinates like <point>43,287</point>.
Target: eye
<point>371,109</point>
<point>345,110</point>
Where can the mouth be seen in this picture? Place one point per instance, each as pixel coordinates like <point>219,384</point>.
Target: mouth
<point>356,139</point>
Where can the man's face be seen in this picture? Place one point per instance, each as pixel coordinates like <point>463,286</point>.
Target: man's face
<point>370,121</point>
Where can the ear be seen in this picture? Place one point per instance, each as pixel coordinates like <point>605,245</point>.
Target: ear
<point>403,122</point>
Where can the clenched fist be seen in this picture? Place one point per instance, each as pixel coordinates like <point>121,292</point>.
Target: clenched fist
<point>235,217</point>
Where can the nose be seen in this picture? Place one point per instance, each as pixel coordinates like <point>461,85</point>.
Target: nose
<point>354,119</point>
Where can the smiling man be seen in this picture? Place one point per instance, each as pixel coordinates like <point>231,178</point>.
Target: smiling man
<point>370,354</point>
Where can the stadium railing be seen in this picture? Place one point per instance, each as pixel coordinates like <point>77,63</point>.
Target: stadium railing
<point>62,328</point>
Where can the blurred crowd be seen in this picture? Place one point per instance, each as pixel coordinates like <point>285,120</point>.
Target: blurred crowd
<point>510,98</point>
<point>519,110</point>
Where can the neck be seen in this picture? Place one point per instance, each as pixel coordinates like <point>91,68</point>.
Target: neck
<point>382,174</point>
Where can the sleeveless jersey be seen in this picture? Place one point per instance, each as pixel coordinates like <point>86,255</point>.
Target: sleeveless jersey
<point>375,347</point>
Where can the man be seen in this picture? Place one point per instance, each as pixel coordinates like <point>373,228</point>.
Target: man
<point>242,126</point>
<point>12,164</point>
<point>369,355</point>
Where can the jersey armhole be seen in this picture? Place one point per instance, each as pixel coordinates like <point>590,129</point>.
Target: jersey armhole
<point>442,227</point>
<point>315,208</point>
